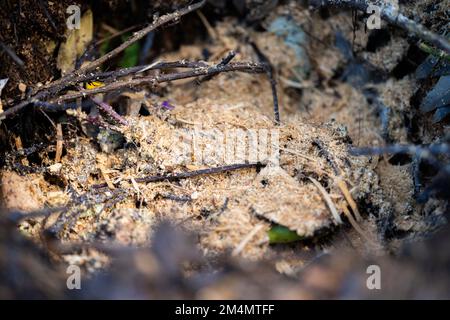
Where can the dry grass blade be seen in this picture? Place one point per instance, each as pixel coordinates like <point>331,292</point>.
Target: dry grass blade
<point>348,196</point>
<point>246,240</point>
<point>328,201</point>
<point>356,226</point>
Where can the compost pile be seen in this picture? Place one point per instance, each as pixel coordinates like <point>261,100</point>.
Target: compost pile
<point>114,140</point>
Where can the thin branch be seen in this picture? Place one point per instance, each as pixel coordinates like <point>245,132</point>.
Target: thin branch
<point>323,151</point>
<point>113,75</point>
<point>428,152</point>
<point>110,111</point>
<point>189,174</point>
<point>140,34</point>
<point>273,84</point>
<point>249,67</point>
<point>226,60</point>
<point>135,37</point>
<point>390,14</point>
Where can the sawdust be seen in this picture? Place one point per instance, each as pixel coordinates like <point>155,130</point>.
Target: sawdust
<point>277,194</point>
<point>233,211</point>
<point>19,193</point>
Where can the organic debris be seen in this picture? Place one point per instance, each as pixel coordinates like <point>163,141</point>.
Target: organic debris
<point>269,149</point>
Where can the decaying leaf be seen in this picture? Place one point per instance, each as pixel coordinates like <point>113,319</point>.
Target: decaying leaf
<point>76,43</point>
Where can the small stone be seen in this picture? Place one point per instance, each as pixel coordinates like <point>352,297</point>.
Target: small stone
<point>195,195</point>
<point>22,87</point>
<point>55,168</point>
<point>110,140</point>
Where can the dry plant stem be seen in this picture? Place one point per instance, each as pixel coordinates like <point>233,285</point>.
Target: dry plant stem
<point>47,14</point>
<point>152,80</point>
<point>340,183</point>
<point>189,174</point>
<point>117,34</point>
<point>113,75</point>
<point>246,240</point>
<point>273,84</point>
<point>136,37</point>
<point>356,226</point>
<point>391,15</point>
<point>224,62</point>
<point>326,154</point>
<point>71,79</point>
<point>110,111</point>
<point>328,201</point>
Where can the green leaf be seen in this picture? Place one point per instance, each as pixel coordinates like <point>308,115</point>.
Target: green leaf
<point>130,55</point>
<point>281,234</point>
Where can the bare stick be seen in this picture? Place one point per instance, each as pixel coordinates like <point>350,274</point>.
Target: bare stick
<point>328,201</point>
<point>136,37</point>
<point>140,34</point>
<point>152,80</point>
<point>391,15</point>
<point>428,152</point>
<point>273,87</point>
<point>273,84</point>
<point>113,75</point>
<point>223,62</point>
<point>188,174</point>
<point>109,110</point>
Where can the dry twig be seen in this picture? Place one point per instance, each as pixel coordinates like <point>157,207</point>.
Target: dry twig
<point>390,14</point>
<point>189,174</point>
<point>249,67</point>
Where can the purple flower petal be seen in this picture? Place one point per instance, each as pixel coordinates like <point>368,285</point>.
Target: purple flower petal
<point>166,104</point>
